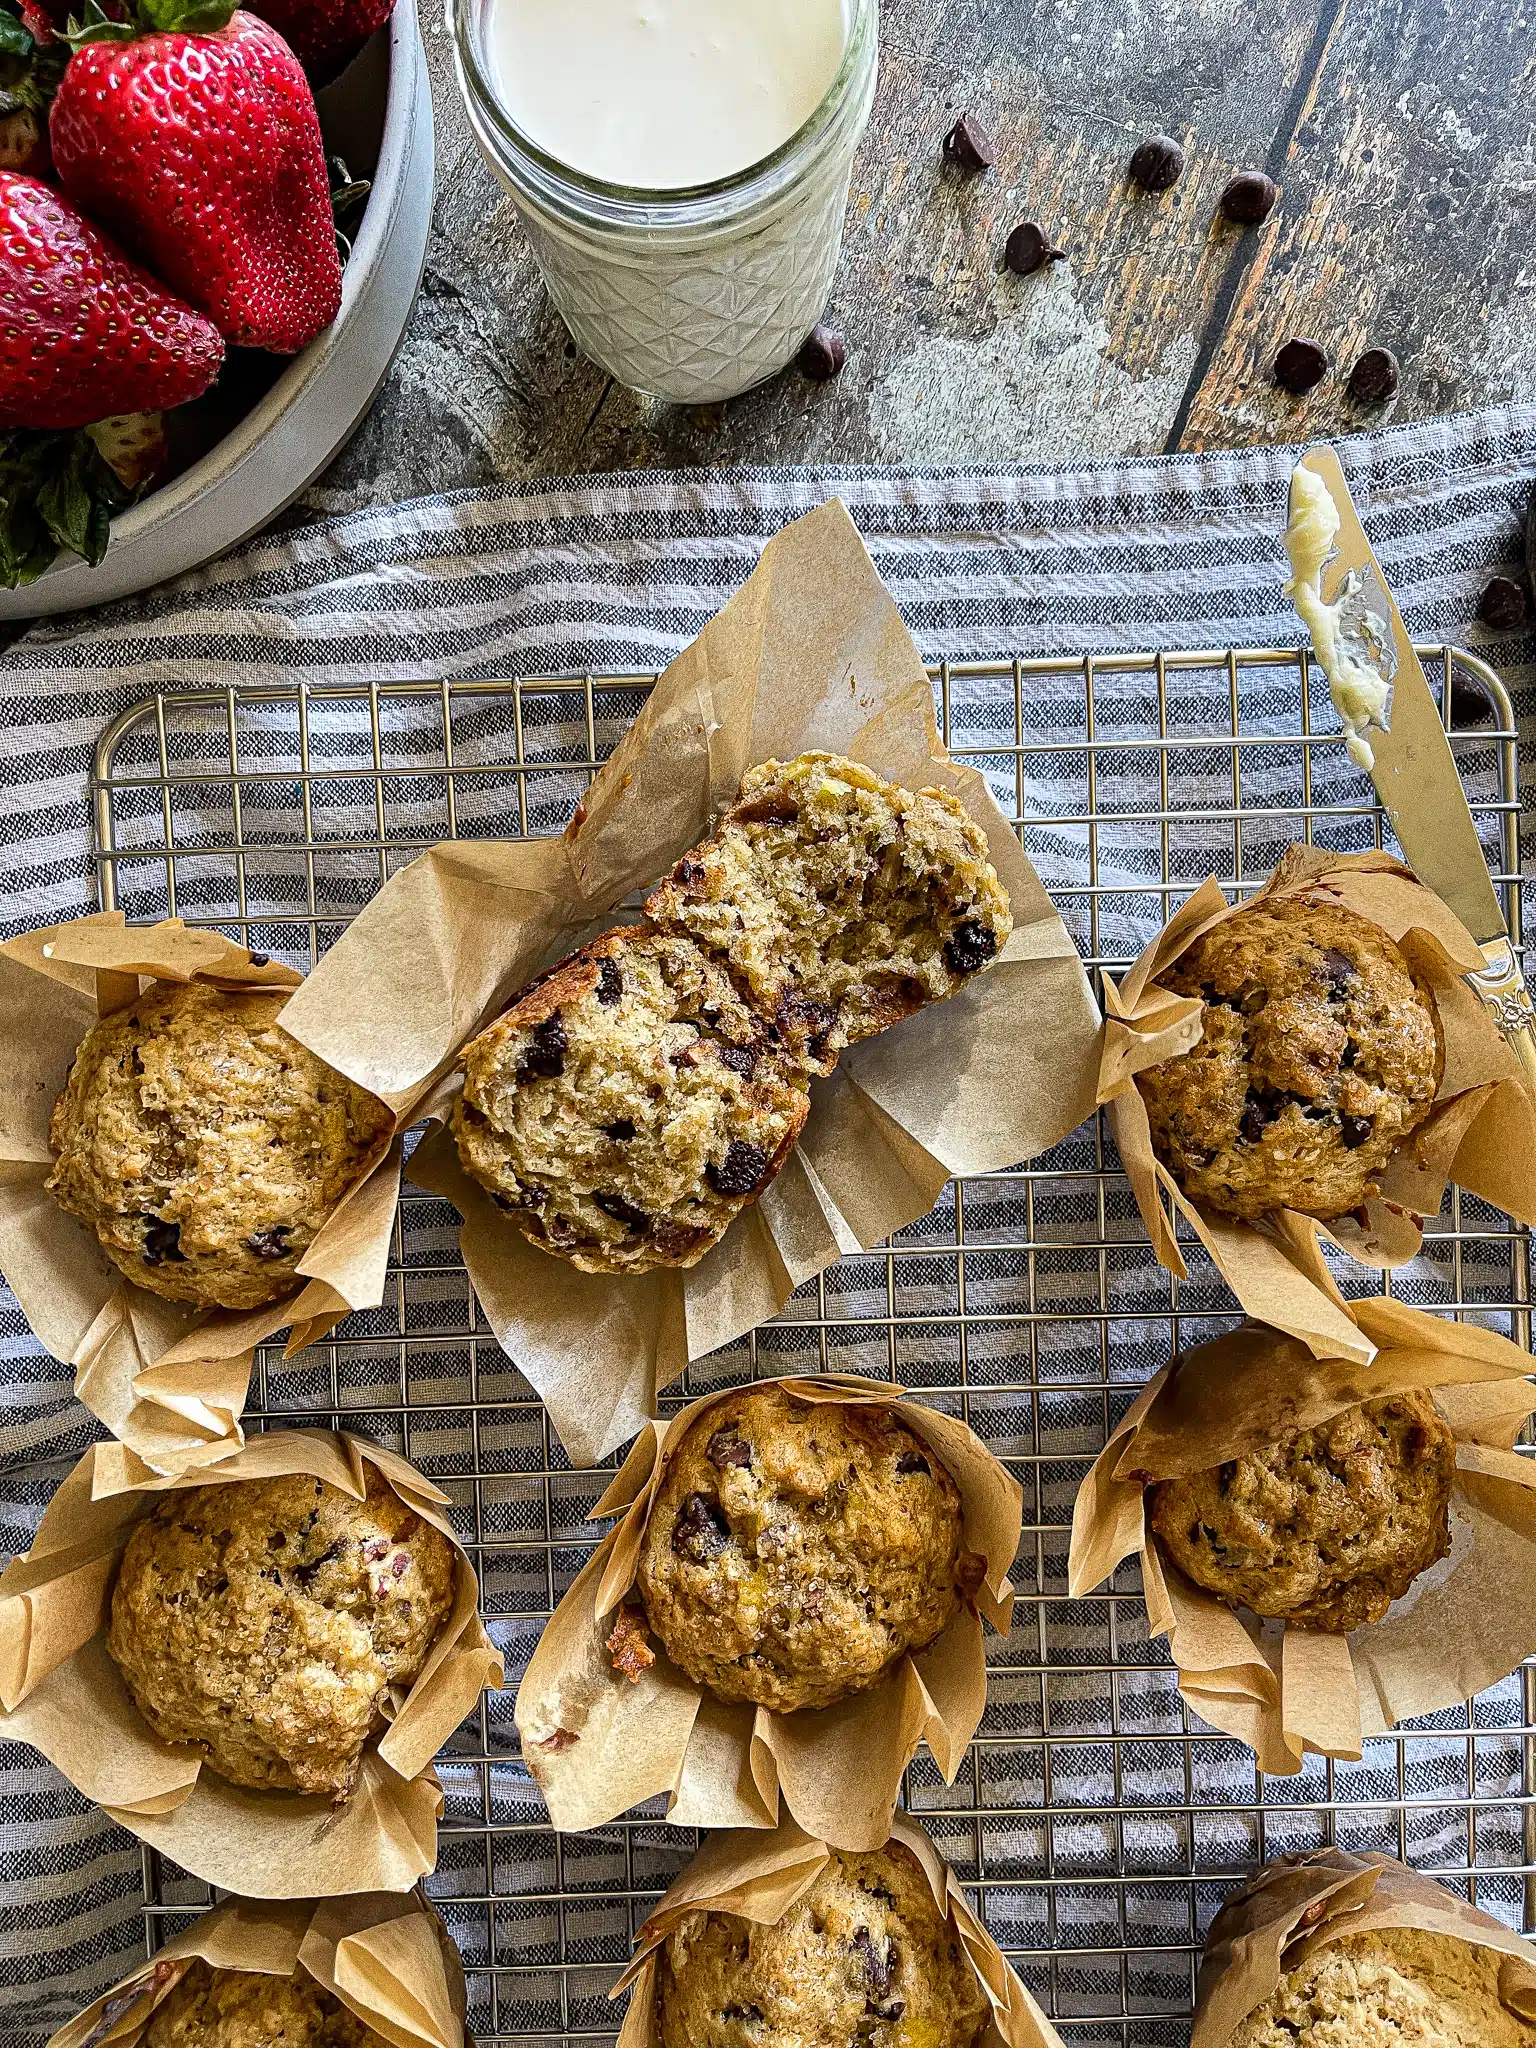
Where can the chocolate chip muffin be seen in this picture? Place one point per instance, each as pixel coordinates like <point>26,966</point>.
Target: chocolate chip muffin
<point>204,1146</point>
<point>797,1549</point>
<point>864,1956</point>
<point>1326,1528</point>
<point>263,1621</point>
<point>212,2008</point>
<point>1322,1051</point>
<point>1386,1989</point>
<point>841,902</point>
<point>629,1105</point>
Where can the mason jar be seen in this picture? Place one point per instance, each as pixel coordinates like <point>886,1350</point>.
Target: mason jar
<point>691,295</point>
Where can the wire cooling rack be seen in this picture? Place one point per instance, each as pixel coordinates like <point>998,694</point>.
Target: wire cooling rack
<point>1094,1824</point>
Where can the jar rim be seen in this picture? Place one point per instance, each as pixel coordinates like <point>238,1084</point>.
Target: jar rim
<point>682,203</point>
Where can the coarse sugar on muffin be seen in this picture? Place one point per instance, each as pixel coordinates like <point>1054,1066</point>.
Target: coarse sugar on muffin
<point>864,1956</point>
<point>629,1105</point>
<point>264,1621</point>
<point>1322,1051</point>
<point>205,1146</point>
<point>796,1549</point>
<point>1390,1988</point>
<point>1325,1528</point>
<point>215,2008</point>
<point>842,902</point>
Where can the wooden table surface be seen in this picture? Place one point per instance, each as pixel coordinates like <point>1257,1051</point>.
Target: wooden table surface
<point>1402,134</point>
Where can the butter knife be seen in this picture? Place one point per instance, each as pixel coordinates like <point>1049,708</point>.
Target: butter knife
<point>1420,790</point>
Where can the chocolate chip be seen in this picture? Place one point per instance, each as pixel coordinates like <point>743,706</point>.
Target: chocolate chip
<point>1301,364</point>
<point>773,807</point>
<point>622,1211</point>
<point>1470,701</point>
<point>969,147</point>
<point>1341,973</point>
<point>261,959</point>
<point>1029,249</point>
<point>610,983</point>
<point>741,1059</point>
<point>545,1057</point>
<point>877,1960</point>
<point>1225,1475</point>
<point>747,2013</point>
<point>1248,198</point>
<point>688,873</point>
<point>1257,1114</point>
<point>162,1243</point>
<point>701,1532</point>
<point>1375,377</point>
<point>1354,1130</point>
<point>272,1242</point>
<point>822,355</point>
<point>621,1130</point>
<point>726,1448</point>
<point>740,1172</point>
<point>805,1017</point>
<point>912,1461</point>
<point>969,947</point>
<point>1502,605</point>
<point>1157,164</point>
<point>892,2010</point>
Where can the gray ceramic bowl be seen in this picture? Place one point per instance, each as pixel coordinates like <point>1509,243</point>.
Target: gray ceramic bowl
<point>378,115</point>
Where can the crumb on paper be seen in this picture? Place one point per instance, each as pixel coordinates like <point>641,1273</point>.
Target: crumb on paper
<point>1360,692</point>
<point>629,1644</point>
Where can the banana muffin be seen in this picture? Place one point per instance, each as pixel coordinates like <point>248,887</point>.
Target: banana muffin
<point>1321,1052</point>
<point>629,1105</point>
<point>864,1956</point>
<point>1386,1989</point>
<point>263,1621</point>
<point>204,1146</point>
<point>1327,1527</point>
<point>842,903</point>
<point>212,2008</point>
<point>795,1550</point>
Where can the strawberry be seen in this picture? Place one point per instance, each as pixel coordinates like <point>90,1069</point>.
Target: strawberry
<point>325,35</point>
<point>31,65</point>
<point>199,145</point>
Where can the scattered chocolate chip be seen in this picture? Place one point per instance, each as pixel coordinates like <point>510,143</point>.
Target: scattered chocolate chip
<point>701,1532</point>
<point>688,873</point>
<point>622,1211</point>
<point>1157,164</point>
<point>545,1057</point>
<point>747,2013</point>
<point>1470,701</point>
<point>773,807</point>
<point>272,1242</point>
<point>822,355</point>
<point>804,1017</point>
<point>969,147</point>
<point>1256,1117</point>
<point>726,1448</point>
<point>1301,365</point>
<point>277,1540</point>
<point>261,959</point>
<point>610,983</point>
<point>877,1959</point>
<point>1341,973</point>
<point>969,947</point>
<point>162,1243</point>
<point>893,2009</point>
<point>1028,249</point>
<point>1503,605</point>
<point>1375,377</point>
<point>1248,198</point>
<point>741,1059</point>
<point>740,1172</point>
<point>1354,1130</point>
<point>621,1130</point>
<point>912,1461</point>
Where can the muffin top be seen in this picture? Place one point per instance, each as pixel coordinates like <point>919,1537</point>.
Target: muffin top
<point>840,901</point>
<point>212,2008</point>
<point>1325,1528</point>
<point>629,1105</point>
<point>797,1549</point>
<point>263,1621</point>
<point>1385,1990</point>
<point>864,1956</point>
<point>1321,1052</point>
<point>204,1146</point>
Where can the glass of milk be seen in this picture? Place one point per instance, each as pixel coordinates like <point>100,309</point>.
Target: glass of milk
<point>681,167</point>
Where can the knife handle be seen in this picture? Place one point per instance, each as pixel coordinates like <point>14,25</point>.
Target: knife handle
<point>1502,987</point>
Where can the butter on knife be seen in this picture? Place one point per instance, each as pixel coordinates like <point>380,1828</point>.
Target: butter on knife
<point>1361,694</point>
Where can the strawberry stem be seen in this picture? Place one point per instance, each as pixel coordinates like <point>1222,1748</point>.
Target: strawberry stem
<point>55,492</point>
<point>118,22</point>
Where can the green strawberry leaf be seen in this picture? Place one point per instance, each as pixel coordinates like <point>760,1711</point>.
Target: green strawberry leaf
<point>55,492</point>
<point>15,41</point>
<point>124,22</point>
<point>95,25</point>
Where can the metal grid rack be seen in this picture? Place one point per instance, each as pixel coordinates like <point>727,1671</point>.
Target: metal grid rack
<point>1095,1825</point>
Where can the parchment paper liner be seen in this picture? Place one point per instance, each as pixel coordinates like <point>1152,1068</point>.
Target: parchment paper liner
<point>838,1769</point>
<point>62,1693</point>
<point>388,1959</point>
<point>1463,1625</point>
<point>1300,1904</point>
<point>759,1877</point>
<point>811,652</point>
<point>1481,1132</point>
<point>168,1380</point>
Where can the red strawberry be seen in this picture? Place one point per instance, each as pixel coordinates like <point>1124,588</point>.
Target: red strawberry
<point>325,35</point>
<point>84,332</point>
<point>203,152</point>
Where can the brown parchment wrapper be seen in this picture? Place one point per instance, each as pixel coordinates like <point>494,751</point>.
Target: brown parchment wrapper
<point>1300,1904</point>
<point>167,1379</point>
<point>1464,1624</point>
<point>1480,1133</point>
<point>387,1958</point>
<point>598,1743</point>
<point>62,1693</point>
<point>759,1877</point>
<point>810,653</point>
